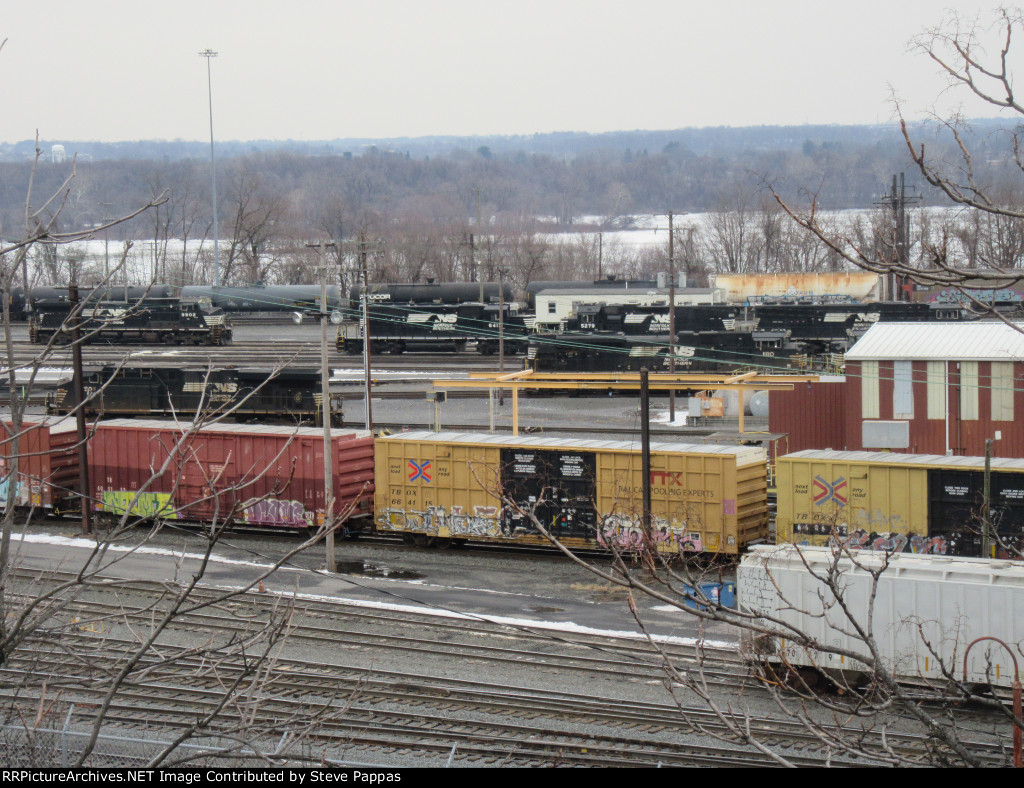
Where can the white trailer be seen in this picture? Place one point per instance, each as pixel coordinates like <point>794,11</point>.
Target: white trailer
<point>553,307</point>
<point>927,610</point>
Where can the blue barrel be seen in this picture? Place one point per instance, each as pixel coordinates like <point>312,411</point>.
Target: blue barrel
<point>720,593</point>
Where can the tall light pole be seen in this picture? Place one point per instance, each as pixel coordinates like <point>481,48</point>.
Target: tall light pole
<point>208,54</point>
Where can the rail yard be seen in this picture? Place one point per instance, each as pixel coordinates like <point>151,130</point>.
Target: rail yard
<point>429,433</point>
<point>452,474</point>
<point>401,681</point>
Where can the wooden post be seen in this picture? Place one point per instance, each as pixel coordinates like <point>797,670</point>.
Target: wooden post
<point>645,447</point>
<point>83,449</point>
<point>671,318</point>
<point>367,349</point>
<point>325,415</point>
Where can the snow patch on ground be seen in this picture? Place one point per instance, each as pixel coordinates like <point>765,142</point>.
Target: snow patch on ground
<point>561,626</point>
<point>662,418</point>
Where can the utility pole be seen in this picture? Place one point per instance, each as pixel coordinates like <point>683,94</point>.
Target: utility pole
<point>501,330</point>
<point>362,247</point>
<point>325,410</point>
<point>106,243</point>
<point>986,503</point>
<point>671,318</point>
<point>472,248</point>
<point>79,383</point>
<point>367,358</point>
<point>645,448</point>
<point>897,201</point>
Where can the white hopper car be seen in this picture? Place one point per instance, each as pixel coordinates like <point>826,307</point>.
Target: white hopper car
<point>927,610</point>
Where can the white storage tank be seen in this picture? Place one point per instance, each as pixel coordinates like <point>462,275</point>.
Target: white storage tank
<point>758,403</point>
<point>731,400</point>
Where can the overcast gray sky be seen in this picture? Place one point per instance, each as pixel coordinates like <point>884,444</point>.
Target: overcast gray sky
<point>125,69</point>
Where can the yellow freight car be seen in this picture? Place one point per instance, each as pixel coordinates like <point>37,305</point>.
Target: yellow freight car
<point>918,503</point>
<point>434,487</point>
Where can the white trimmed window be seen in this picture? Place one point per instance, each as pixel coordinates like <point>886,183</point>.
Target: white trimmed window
<point>969,390</point>
<point>1002,390</point>
<point>936,384</point>
<point>902,390</point>
<point>869,390</point>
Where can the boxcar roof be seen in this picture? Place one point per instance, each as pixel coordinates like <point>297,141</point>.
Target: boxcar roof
<point>982,340</point>
<point>892,458</point>
<point>942,567</point>
<point>244,429</point>
<point>54,424</point>
<point>745,455</point>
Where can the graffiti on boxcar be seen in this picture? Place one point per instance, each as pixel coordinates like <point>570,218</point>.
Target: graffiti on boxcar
<point>5,485</point>
<point>956,296</point>
<point>401,520</point>
<point>626,533</point>
<point>928,545</point>
<point>147,504</point>
<point>880,521</point>
<point>891,542</point>
<point>271,511</point>
<point>483,522</point>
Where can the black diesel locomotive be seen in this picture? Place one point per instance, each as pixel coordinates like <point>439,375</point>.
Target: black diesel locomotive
<point>709,337</point>
<point>291,396</point>
<point>436,328</point>
<point>609,337</point>
<point>694,351</point>
<point>147,320</point>
<point>450,318</point>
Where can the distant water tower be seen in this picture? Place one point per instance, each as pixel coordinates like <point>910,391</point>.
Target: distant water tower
<point>57,154</point>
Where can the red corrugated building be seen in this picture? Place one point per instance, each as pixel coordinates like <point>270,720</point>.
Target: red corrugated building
<point>923,388</point>
<point>812,415</point>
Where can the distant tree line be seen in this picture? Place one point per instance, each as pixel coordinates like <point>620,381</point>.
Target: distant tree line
<point>491,212</point>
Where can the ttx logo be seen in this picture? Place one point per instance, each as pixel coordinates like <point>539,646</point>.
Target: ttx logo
<point>666,478</point>
<point>830,492</point>
<point>419,470</point>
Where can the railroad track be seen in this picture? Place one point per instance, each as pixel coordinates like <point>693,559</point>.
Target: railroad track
<point>428,713</point>
<point>265,350</point>
<point>343,627</point>
<point>417,714</point>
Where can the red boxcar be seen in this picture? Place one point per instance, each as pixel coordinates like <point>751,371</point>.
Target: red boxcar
<point>47,466</point>
<point>260,475</point>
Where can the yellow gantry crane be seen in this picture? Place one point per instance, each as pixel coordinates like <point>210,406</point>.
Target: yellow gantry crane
<point>689,381</point>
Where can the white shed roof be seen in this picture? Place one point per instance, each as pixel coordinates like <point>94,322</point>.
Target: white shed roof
<point>972,341</point>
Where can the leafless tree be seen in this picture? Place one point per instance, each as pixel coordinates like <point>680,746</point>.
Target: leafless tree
<point>259,227</point>
<point>850,694</point>
<point>977,61</point>
<point>856,716</point>
<point>47,663</point>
